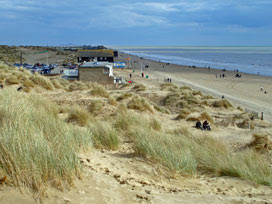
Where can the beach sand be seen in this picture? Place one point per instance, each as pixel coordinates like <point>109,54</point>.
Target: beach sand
<point>244,91</point>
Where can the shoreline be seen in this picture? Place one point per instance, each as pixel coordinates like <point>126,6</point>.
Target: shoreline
<point>244,91</point>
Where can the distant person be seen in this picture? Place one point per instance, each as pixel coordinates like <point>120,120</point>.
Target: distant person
<point>198,125</point>
<point>261,88</point>
<point>130,75</point>
<point>142,74</point>
<point>223,96</point>
<point>206,126</point>
<point>170,80</point>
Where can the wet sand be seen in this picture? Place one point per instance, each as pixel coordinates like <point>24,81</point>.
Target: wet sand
<point>244,91</point>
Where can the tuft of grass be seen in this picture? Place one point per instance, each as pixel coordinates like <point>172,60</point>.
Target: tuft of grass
<point>161,109</point>
<point>124,96</point>
<point>112,101</point>
<point>183,114</point>
<point>28,84</point>
<point>11,79</point>
<point>125,119</point>
<point>206,116</point>
<point>223,103</point>
<point>42,81</point>
<point>79,116</point>
<point>185,88</point>
<point>170,99</point>
<point>99,90</point>
<point>168,86</point>
<point>139,87</point>
<point>42,150</point>
<point>139,103</point>
<point>76,85</point>
<point>57,84</point>
<point>197,93</point>
<point>155,124</point>
<point>104,135</point>
<point>95,107</point>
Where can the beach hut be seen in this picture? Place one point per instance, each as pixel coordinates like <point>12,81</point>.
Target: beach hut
<point>99,72</point>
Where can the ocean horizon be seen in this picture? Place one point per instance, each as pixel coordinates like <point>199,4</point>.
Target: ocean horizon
<point>248,59</point>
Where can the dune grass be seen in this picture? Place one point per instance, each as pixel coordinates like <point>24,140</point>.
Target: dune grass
<point>223,103</point>
<point>104,135</point>
<point>42,81</point>
<point>37,149</point>
<point>95,107</point>
<point>140,103</point>
<point>99,90</point>
<point>189,155</point>
<point>78,116</point>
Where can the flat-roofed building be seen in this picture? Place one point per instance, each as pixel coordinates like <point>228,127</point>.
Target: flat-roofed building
<point>96,72</point>
<point>99,55</point>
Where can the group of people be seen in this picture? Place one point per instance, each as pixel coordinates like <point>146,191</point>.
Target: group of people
<point>169,80</point>
<point>204,126</point>
<point>262,89</point>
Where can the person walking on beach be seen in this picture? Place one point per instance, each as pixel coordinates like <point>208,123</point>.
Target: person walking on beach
<point>142,74</point>
<point>130,75</point>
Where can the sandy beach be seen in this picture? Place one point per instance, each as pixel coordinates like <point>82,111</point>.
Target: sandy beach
<point>244,91</point>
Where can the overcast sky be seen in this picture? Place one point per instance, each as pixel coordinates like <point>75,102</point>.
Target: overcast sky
<point>131,22</point>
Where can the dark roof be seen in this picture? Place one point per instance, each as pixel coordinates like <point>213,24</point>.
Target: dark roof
<point>95,53</point>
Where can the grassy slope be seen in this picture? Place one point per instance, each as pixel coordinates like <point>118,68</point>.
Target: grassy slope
<point>39,149</point>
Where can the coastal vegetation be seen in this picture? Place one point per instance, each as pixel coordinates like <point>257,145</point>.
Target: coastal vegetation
<point>45,126</point>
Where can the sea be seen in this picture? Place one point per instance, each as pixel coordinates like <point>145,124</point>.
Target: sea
<point>253,60</point>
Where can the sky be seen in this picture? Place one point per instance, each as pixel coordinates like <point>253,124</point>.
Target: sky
<point>136,23</point>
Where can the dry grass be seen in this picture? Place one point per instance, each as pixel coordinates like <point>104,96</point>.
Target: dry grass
<point>190,155</point>
<point>104,135</point>
<point>170,99</point>
<point>95,107</point>
<point>41,150</point>
<point>206,116</point>
<point>139,103</point>
<point>261,142</point>
<point>11,79</point>
<point>161,109</point>
<point>124,96</point>
<point>99,90</point>
<point>155,124</point>
<point>28,84</point>
<point>223,103</point>
<point>42,81</point>
<point>139,87</point>
<point>168,86</point>
<point>79,116</point>
<point>183,114</point>
<point>57,84</point>
<point>112,101</point>
<point>77,85</point>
